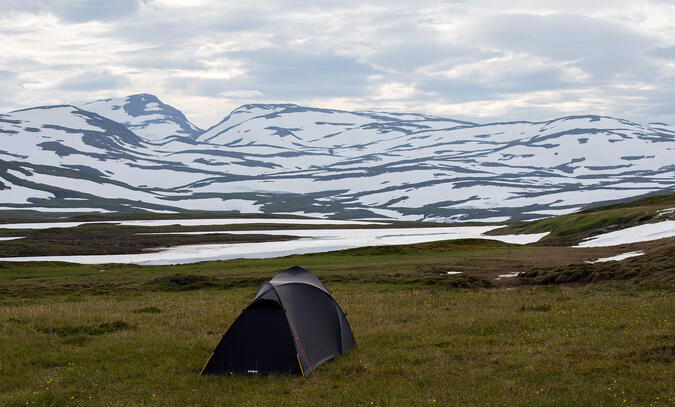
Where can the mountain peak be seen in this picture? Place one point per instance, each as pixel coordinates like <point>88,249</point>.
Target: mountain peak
<point>145,115</point>
<point>148,97</point>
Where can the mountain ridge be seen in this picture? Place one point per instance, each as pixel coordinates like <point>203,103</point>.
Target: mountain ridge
<point>324,162</point>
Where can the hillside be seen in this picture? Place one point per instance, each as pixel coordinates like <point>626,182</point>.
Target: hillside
<point>571,229</point>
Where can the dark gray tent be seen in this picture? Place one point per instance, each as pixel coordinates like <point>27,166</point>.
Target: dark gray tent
<point>292,326</point>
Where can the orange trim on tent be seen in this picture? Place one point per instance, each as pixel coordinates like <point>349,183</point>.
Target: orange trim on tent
<point>297,341</point>
<point>206,364</point>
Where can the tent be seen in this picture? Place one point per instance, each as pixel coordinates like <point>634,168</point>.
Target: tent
<point>292,326</point>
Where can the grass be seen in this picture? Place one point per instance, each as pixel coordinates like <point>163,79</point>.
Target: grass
<point>581,334</point>
<point>540,346</point>
<point>421,264</point>
<point>97,329</point>
<point>119,335</point>
<point>424,264</point>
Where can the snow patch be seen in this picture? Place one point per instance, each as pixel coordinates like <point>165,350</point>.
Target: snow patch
<point>665,213</point>
<point>555,212</point>
<point>618,257</point>
<point>641,233</point>
<point>508,275</point>
<point>16,194</point>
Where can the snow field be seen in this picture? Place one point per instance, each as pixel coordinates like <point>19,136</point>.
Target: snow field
<point>641,233</point>
<point>312,241</point>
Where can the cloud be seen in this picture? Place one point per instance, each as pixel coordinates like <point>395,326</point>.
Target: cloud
<point>475,60</point>
<point>597,47</point>
<point>281,73</point>
<point>663,53</point>
<point>6,74</point>
<point>394,91</point>
<point>92,81</point>
<point>240,94</point>
<point>78,11</point>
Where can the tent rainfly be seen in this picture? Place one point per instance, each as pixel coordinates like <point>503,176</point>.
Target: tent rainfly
<point>292,326</point>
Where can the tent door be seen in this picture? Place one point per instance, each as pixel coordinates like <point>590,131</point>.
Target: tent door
<point>259,341</point>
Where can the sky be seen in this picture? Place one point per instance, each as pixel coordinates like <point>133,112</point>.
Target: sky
<point>481,60</point>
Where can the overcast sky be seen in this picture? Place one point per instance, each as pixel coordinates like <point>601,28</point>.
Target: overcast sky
<point>477,60</point>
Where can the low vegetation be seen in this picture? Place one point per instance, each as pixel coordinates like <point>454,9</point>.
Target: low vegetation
<point>656,268</point>
<point>442,323</point>
<point>416,345</point>
<point>120,335</point>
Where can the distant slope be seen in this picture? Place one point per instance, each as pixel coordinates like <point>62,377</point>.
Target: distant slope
<point>138,154</point>
<point>573,228</point>
<point>655,268</point>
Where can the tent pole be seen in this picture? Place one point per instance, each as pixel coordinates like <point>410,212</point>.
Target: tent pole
<point>207,363</point>
<point>297,341</point>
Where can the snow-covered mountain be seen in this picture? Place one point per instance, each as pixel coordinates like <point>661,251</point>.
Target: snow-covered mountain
<point>139,154</point>
<point>146,116</point>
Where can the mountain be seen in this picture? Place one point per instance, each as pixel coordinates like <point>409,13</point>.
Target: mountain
<point>146,116</point>
<point>138,154</point>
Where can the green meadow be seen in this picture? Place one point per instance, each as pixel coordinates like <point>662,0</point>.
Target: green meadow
<point>126,335</point>
<point>562,333</point>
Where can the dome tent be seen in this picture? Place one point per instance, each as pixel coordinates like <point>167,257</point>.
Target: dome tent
<point>292,325</point>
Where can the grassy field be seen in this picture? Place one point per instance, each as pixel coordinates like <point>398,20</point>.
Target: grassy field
<point>562,333</point>
<point>127,335</point>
